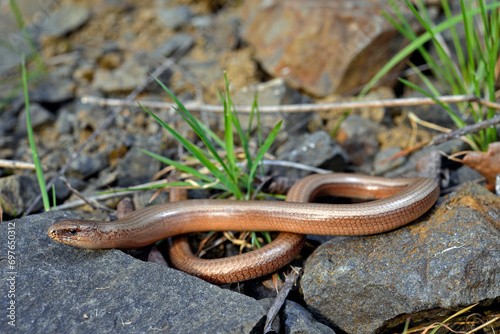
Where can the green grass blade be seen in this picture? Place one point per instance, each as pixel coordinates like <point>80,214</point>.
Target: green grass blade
<point>197,152</point>
<point>31,139</point>
<point>405,28</point>
<point>454,35</point>
<point>407,325</point>
<point>492,54</point>
<point>29,39</point>
<point>195,125</point>
<point>418,42</point>
<point>255,241</point>
<point>456,119</point>
<point>235,119</point>
<point>228,134</point>
<point>401,23</point>
<point>259,132</point>
<point>252,115</point>
<point>213,135</point>
<point>447,71</point>
<point>243,139</point>
<point>469,29</point>
<point>451,317</point>
<point>179,166</point>
<point>263,149</point>
<point>54,197</point>
<point>199,185</point>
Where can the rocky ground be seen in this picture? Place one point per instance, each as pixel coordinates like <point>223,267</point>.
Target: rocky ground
<point>95,51</point>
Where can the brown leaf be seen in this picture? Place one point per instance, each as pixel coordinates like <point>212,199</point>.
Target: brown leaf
<point>486,163</point>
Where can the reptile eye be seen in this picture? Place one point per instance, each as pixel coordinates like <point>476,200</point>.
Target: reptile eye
<point>72,231</point>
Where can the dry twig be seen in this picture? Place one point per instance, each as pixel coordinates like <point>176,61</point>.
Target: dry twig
<point>465,130</point>
<point>281,297</point>
<point>92,203</point>
<point>197,106</point>
<point>16,164</point>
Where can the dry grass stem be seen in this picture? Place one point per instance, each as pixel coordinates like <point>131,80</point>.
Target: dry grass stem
<point>290,281</point>
<point>465,130</point>
<point>4,163</point>
<point>196,106</point>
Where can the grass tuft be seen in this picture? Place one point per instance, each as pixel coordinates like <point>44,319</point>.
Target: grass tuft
<point>472,71</point>
<point>229,173</point>
<point>31,139</point>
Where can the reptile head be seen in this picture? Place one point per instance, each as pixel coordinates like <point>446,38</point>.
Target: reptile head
<point>75,232</point>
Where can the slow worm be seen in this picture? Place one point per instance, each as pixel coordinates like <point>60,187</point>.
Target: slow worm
<point>396,202</point>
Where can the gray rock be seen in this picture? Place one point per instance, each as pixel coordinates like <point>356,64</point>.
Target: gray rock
<point>205,72</point>
<point>54,156</point>
<point>87,165</point>
<point>8,23</point>
<point>62,289</point>
<point>10,59</point>
<point>62,191</point>
<point>317,150</point>
<point>66,118</point>
<point>297,319</point>
<point>409,167</point>
<point>112,6</point>
<point>9,122</point>
<point>381,165</point>
<point>64,20</point>
<point>14,42</point>
<point>358,137</point>
<point>273,93</point>
<point>16,191</point>
<point>294,319</point>
<point>430,166</point>
<point>137,167</point>
<point>358,284</point>
<point>466,174</point>
<point>221,36</point>
<point>174,43</point>
<point>175,17</point>
<point>39,116</point>
<point>266,303</point>
<point>201,22</point>
<point>53,89</point>
<point>122,79</point>
<point>88,117</point>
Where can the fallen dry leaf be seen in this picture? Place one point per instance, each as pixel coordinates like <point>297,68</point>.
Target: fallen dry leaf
<point>486,163</point>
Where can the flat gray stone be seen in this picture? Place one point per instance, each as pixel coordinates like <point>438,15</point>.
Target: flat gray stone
<point>53,88</point>
<point>358,136</point>
<point>16,192</point>
<point>444,262</point>
<point>174,17</point>
<point>87,165</point>
<point>10,59</point>
<point>317,150</point>
<point>124,78</point>
<point>298,320</point>
<point>136,167</point>
<point>171,45</point>
<point>39,116</point>
<point>63,289</point>
<point>65,20</point>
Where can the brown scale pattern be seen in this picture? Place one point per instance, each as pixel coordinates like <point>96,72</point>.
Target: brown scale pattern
<point>398,202</point>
